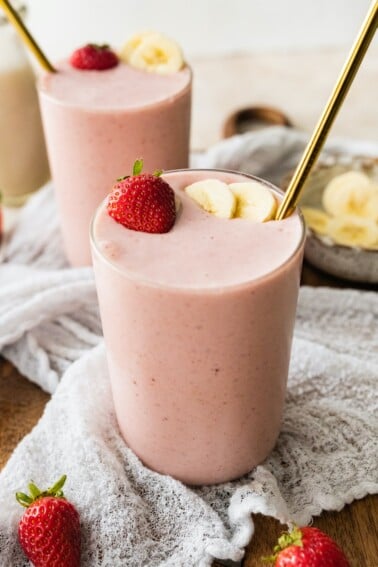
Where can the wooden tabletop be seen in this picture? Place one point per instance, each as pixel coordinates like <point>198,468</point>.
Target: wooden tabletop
<point>355,528</point>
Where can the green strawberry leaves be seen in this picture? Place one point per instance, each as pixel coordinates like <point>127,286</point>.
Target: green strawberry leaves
<point>137,170</point>
<point>55,490</point>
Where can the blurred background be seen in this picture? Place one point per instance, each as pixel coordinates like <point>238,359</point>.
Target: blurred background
<point>203,27</point>
<point>281,53</point>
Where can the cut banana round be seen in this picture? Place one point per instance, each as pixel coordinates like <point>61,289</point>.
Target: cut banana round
<point>213,196</point>
<point>254,201</point>
<point>154,52</point>
<point>354,231</point>
<point>348,194</point>
<point>316,219</point>
<point>131,44</point>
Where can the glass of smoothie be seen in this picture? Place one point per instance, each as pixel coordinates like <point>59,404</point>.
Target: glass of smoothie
<point>198,326</point>
<point>97,121</point>
<point>23,160</point>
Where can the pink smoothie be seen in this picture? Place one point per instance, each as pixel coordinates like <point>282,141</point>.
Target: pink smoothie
<point>198,325</point>
<point>96,124</point>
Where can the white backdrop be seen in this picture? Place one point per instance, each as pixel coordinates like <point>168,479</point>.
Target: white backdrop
<point>201,26</point>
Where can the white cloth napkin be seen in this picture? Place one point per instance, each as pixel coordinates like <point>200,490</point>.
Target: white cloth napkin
<point>327,452</point>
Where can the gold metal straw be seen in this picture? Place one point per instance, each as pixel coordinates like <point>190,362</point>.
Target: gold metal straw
<point>319,136</point>
<point>15,19</point>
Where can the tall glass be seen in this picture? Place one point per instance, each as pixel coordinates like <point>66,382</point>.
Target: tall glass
<point>96,124</point>
<point>23,159</point>
<point>199,370</point>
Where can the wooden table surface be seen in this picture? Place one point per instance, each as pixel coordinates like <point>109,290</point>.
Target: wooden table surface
<point>355,527</point>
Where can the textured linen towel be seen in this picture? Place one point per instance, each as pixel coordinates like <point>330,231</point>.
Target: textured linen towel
<point>326,454</point>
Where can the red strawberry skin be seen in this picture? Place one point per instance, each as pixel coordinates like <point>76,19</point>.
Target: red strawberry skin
<point>318,550</point>
<point>94,57</point>
<point>49,533</point>
<point>144,202</point>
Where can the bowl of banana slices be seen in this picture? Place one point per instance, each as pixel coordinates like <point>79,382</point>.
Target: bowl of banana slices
<point>340,207</point>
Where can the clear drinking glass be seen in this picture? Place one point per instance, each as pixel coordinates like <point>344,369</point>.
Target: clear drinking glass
<point>96,124</point>
<point>23,159</point>
<point>198,372</point>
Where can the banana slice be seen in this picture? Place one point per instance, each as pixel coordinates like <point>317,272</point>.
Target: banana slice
<point>348,194</point>
<point>254,201</point>
<point>154,52</point>
<point>354,231</point>
<point>131,45</point>
<point>213,196</point>
<point>316,219</point>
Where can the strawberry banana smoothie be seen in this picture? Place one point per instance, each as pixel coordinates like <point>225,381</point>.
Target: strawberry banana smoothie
<point>198,323</point>
<point>98,114</point>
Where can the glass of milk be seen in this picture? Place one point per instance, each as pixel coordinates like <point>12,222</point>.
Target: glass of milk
<point>23,159</point>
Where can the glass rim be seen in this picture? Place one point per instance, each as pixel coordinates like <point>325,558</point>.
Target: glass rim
<point>199,289</point>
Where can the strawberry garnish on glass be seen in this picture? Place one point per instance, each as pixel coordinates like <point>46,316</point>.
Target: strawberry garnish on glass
<point>49,530</point>
<point>143,201</point>
<point>93,57</point>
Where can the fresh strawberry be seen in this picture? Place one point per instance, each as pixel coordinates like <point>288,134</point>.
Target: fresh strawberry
<point>93,57</point>
<point>143,202</point>
<point>49,530</point>
<point>307,547</point>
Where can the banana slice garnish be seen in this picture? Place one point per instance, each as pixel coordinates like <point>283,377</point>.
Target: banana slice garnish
<point>254,201</point>
<point>316,219</point>
<point>213,196</point>
<point>153,52</point>
<point>132,44</point>
<point>248,200</point>
<point>353,231</point>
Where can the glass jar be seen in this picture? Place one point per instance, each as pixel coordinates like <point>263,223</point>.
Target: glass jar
<point>23,159</point>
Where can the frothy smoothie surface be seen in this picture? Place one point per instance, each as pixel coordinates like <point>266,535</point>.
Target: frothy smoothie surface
<point>122,86</point>
<point>201,250</point>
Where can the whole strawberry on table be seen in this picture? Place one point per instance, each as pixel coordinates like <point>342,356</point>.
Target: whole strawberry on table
<point>306,547</point>
<point>49,530</point>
